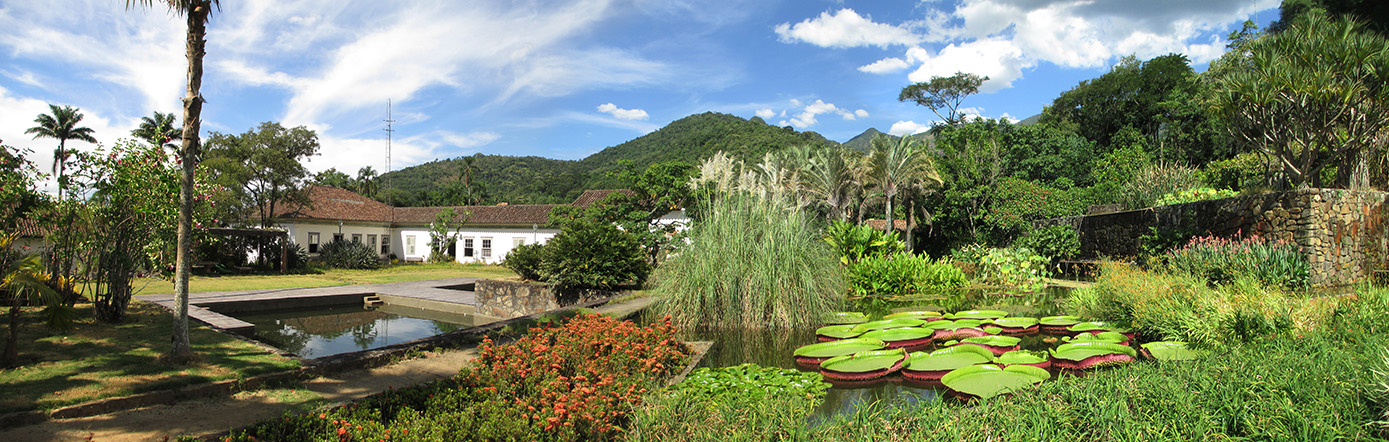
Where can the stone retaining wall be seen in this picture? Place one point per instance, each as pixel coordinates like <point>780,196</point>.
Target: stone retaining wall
<point>510,299</point>
<point>1343,232</point>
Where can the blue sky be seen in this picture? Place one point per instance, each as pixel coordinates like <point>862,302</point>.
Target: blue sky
<point>565,79</point>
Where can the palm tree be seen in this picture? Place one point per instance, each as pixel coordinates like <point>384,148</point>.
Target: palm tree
<point>20,283</point>
<point>367,182</point>
<point>61,125</point>
<point>829,179</point>
<point>896,166</point>
<point>197,13</point>
<point>161,129</point>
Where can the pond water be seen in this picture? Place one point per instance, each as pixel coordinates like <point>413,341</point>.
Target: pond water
<point>323,331</point>
<point>774,348</point>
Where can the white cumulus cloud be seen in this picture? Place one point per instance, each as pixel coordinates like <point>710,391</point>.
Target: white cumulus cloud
<point>765,113</point>
<point>902,128</point>
<point>845,29</point>
<point>885,66</point>
<point>622,114</point>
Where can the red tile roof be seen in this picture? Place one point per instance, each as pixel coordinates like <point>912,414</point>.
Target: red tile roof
<point>332,203</point>
<point>518,214</point>
<point>30,228</point>
<point>592,196</point>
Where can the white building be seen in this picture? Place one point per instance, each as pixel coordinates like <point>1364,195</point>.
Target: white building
<point>489,233</point>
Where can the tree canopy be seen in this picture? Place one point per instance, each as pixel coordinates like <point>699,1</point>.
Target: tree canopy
<point>260,168</point>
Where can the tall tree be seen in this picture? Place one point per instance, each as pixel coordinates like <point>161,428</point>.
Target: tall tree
<point>898,165</point>
<point>262,167</point>
<point>944,95</point>
<point>1375,13</point>
<point>61,125</point>
<point>829,179</point>
<point>196,12</point>
<point>368,182</point>
<point>1316,98</point>
<point>160,129</point>
<point>332,177</point>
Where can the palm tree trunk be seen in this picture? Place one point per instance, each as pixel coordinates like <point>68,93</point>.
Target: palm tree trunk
<point>887,224</point>
<point>182,351</point>
<point>62,156</point>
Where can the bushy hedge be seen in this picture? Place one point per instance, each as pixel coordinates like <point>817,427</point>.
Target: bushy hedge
<point>593,255</point>
<point>903,274</point>
<point>348,255</point>
<point>526,260</point>
<point>1052,242</point>
<point>575,382</point>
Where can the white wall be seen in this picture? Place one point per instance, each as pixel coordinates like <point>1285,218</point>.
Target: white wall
<point>503,240</point>
<point>299,233</point>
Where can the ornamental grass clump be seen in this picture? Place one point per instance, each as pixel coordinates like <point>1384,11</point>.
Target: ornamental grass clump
<point>752,262</point>
<point>1222,260</point>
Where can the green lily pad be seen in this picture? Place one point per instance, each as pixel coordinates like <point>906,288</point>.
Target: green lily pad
<point>866,361</point>
<point>986,381</point>
<point>915,314</point>
<point>899,334</point>
<point>884,324</point>
<point>950,358</point>
<point>1079,351</point>
<point>1021,357</point>
<point>838,318</point>
<point>1015,322</point>
<point>1105,336</point>
<point>993,341</point>
<point>839,348</point>
<point>840,331</point>
<point>1172,351</point>
<point>1096,326</point>
<point>946,324</point>
<point>978,314</point>
<point>1060,320</point>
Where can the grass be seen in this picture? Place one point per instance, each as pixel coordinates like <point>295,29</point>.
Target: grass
<point>97,360</point>
<point>326,278</point>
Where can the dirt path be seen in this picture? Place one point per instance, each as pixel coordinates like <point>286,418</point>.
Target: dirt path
<point>208,416</point>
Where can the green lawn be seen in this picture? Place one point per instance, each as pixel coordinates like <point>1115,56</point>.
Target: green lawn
<point>96,360</point>
<point>327,278</point>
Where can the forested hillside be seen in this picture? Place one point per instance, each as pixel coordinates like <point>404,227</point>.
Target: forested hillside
<point>535,180</point>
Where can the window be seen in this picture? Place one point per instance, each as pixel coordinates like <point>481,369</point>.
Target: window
<point>518,241</point>
<point>371,241</point>
<point>409,245</point>
<point>385,244</point>
<point>313,242</point>
<point>337,237</point>
<point>468,247</point>
<point>486,248</point>
<point>356,237</point>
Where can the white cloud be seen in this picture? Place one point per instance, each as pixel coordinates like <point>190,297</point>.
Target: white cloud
<point>805,115</point>
<point>845,29</point>
<point>17,115</point>
<point>901,128</point>
<point>25,77</point>
<point>765,113</point>
<point>861,113</point>
<point>885,66</point>
<point>998,59</point>
<point>622,114</point>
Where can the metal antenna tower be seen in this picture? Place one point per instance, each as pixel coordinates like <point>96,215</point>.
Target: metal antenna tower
<point>389,132</point>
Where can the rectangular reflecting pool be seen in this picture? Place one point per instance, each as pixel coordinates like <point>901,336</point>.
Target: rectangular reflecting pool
<point>322,331</point>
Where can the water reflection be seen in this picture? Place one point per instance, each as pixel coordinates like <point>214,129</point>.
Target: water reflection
<point>324,331</point>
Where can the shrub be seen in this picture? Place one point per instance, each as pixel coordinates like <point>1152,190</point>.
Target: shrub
<point>1194,195</point>
<point>760,403</point>
<point>526,260</point>
<point>1015,267</point>
<point>1244,171</point>
<point>348,255</point>
<point>1152,183</point>
<point>857,242</point>
<point>903,274</point>
<point>1052,242</point>
<point>1221,260</point>
<point>590,254</point>
<point>752,262</point>
<point>1183,307</point>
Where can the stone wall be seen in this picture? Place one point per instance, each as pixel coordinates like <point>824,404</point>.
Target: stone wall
<point>1343,232</point>
<point>510,299</point>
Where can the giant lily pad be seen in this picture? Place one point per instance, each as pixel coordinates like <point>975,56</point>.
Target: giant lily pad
<point>902,337</point>
<point>1058,324</point>
<point>1016,325</point>
<point>930,367</point>
<point>1104,336</point>
<point>986,381</point>
<point>884,324</point>
<point>837,332</point>
<point>924,315</point>
<point>1099,326</point>
<point>947,330</point>
<point>864,365</point>
<point>839,318</point>
<point>1024,357</point>
<point>1083,355</point>
<point>812,355</point>
<point>1170,351</point>
<point>996,344</point>
<point>978,314</point>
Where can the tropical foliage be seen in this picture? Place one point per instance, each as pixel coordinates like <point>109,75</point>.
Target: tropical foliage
<point>902,274</point>
<point>854,243</point>
<point>1278,263</point>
